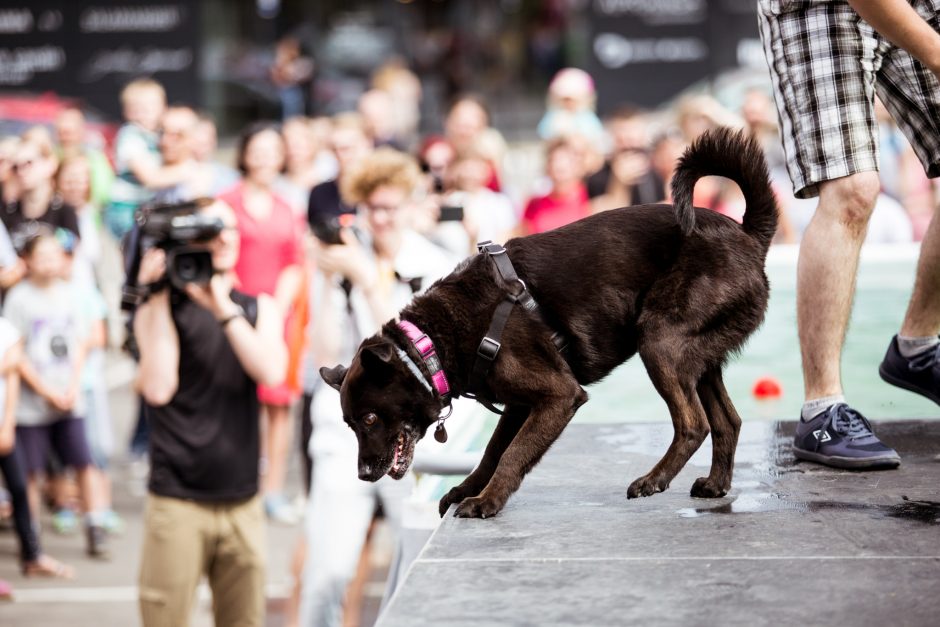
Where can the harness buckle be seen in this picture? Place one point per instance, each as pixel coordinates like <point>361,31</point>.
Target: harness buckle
<point>490,248</point>
<point>488,348</point>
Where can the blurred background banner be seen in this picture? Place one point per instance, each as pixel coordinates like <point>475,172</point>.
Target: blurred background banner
<point>216,54</point>
<point>647,52</point>
<point>89,51</point>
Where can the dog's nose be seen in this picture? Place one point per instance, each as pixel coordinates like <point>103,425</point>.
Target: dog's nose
<point>365,472</point>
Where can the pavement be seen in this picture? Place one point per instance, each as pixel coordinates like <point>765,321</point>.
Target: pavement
<point>793,543</point>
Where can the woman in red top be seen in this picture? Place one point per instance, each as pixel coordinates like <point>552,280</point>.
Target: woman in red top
<point>270,261</point>
<point>568,200</point>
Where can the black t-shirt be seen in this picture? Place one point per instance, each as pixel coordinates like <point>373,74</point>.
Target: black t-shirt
<point>20,228</point>
<point>325,202</point>
<point>204,444</point>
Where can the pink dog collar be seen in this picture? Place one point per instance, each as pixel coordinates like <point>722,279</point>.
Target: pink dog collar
<point>425,347</point>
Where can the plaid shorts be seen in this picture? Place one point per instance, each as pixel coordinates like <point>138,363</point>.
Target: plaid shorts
<point>826,64</point>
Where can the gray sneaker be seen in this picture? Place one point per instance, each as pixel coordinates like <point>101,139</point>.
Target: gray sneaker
<point>97,542</point>
<point>843,438</point>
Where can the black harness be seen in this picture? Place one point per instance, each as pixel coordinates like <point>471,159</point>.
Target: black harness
<point>517,294</point>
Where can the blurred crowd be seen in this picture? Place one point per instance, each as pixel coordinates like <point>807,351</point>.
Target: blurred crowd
<point>341,220</point>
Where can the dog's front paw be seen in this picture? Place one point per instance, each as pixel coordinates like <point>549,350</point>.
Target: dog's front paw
<point>646,486</point>
<point>706,488</point>
<point>455,495</point>
<point>479,507</point>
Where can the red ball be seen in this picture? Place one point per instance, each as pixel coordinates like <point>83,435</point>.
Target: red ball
<point>767,388</point>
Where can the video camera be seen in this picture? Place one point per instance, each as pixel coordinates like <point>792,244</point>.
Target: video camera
<point>178,229</point>
<point>327,228</point>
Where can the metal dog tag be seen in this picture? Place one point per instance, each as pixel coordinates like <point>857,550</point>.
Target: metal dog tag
<point>440,433</point>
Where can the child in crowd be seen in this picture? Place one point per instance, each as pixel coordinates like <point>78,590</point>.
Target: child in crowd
<point>75,140</point>
<point>44,311</point>
<point>74,184</point>
<point>94,389</point>
<point>136,152</point>
<point>32,560</point>
<point>571,103</point>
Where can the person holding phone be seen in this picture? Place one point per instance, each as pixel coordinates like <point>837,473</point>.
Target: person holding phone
<point>383,263</point>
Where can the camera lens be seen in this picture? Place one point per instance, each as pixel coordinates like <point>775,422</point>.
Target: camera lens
<point>187,269</point>
<point>190,265</point>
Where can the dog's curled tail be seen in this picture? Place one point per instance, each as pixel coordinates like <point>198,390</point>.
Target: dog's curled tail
<point>734,155</point>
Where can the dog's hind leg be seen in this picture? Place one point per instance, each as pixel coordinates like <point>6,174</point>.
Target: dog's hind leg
<point>688,420</point>
<point>507,428</point>
<point>725,426</point>
<point>545,423</point>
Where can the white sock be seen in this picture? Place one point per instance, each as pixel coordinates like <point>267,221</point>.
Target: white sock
<point>95,518</point>
<point>816,406</point>
<point>911,346</point>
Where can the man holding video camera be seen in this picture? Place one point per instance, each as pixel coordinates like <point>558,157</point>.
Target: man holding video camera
<point>203,349</point>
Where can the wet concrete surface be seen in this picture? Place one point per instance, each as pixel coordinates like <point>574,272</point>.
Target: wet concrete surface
<point>792,543</point>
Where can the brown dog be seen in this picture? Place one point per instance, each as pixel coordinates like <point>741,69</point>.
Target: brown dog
<point>683,287</point>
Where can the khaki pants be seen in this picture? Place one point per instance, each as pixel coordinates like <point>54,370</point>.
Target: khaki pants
<point>184,540</point>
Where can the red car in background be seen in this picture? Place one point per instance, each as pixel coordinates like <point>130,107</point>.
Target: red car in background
<point>19,111</point>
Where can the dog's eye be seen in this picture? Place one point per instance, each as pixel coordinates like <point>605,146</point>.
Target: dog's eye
<point>369,419</point>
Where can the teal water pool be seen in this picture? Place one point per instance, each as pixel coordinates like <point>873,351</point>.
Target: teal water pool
<point>884,286</point>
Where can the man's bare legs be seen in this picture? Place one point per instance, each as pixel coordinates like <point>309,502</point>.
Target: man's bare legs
<point>912,361</point>
<point>923,312</point>
<point>90,489</point>
<point>830,432</point>
<point>826,274</point>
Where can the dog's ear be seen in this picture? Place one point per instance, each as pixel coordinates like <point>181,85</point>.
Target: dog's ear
<point>334,376</point>
<point>376,355</point>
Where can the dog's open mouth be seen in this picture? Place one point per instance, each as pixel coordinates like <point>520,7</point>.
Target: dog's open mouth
<point>404,452</point>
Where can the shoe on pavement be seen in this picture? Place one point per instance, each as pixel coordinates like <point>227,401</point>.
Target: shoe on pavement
<point>113,523</point>
<point>843,438</point>
<point>65,521</point>
<point>97,537</point>
<point>919,374</point>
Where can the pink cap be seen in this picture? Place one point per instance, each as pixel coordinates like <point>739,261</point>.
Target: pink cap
<point>572,83</point>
